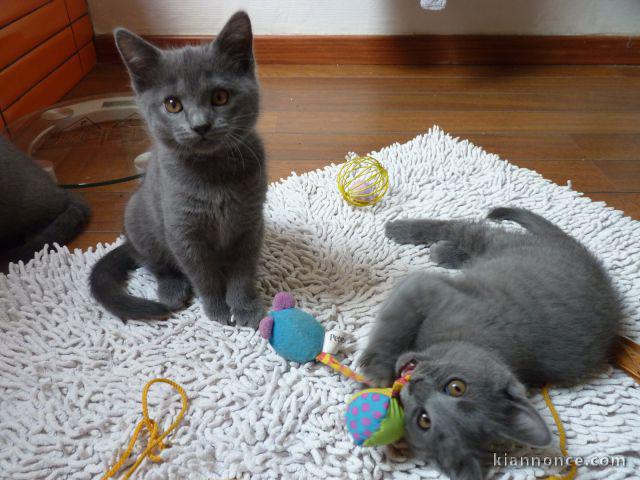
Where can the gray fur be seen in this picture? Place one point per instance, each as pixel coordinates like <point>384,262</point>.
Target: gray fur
<point>530,308</point>
<point>34,211</point>
<point>196,221</point>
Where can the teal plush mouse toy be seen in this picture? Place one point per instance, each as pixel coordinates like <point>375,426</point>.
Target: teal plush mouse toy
<point>294,334</point>
<point>297,336</point>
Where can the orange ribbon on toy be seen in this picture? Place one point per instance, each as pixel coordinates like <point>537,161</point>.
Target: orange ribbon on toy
<point>333,363</point>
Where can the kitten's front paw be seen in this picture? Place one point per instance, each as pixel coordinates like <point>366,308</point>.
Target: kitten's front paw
<point>447,254</point>
<point>217,311</point>
<point>378,368</point>
<point>248,315</point>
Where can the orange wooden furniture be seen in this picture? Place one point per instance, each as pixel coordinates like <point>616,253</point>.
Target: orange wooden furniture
<point>46,47</point>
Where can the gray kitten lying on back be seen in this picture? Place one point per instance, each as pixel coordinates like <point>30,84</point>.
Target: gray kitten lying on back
<point>197,220</point>
<point>531,308</point>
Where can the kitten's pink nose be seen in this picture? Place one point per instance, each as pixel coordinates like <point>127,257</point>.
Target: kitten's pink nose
<point>202,128</point>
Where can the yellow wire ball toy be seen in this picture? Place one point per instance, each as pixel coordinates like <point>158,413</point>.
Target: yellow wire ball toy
<point>363,181</point>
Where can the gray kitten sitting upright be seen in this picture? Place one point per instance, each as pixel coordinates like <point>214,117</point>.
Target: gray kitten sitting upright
<point>196,220</point>
<point>530,308</point>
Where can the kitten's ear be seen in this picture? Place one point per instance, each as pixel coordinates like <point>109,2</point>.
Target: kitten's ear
<point>524,424</point>
<point>140,57</point>
<point>236,42</point>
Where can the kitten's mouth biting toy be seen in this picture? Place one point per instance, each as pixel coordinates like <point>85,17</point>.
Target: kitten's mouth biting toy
<point>408,368</point>
<point>405,372</point>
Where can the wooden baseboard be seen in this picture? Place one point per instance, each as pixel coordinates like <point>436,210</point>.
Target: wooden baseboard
<point>423,49</point>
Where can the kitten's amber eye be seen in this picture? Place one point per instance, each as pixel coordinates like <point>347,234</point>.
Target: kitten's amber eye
<point>173,105</point>
<point>424,422</point>
<point>220,97</point>
<point>456,388</point>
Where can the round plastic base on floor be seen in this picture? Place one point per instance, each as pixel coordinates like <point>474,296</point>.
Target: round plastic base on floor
<point>82,139</point>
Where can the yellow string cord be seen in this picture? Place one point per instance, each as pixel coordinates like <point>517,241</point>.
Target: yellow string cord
<point>563,438</point>
<point>156,436</point>
<point>331,361</point>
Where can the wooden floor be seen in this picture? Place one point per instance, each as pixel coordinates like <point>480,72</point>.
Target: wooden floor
<point>567,122</point>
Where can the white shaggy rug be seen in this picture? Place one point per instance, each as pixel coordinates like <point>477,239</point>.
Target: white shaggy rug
<point>71,375</point>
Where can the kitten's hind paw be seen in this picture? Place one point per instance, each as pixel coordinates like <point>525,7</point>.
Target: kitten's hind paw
<point>174,291</point>
<point>447,254</point>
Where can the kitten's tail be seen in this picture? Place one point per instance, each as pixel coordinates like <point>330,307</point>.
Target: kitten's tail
<point>69,223</point>
<point>529,220</point>
<point>108,281</point>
